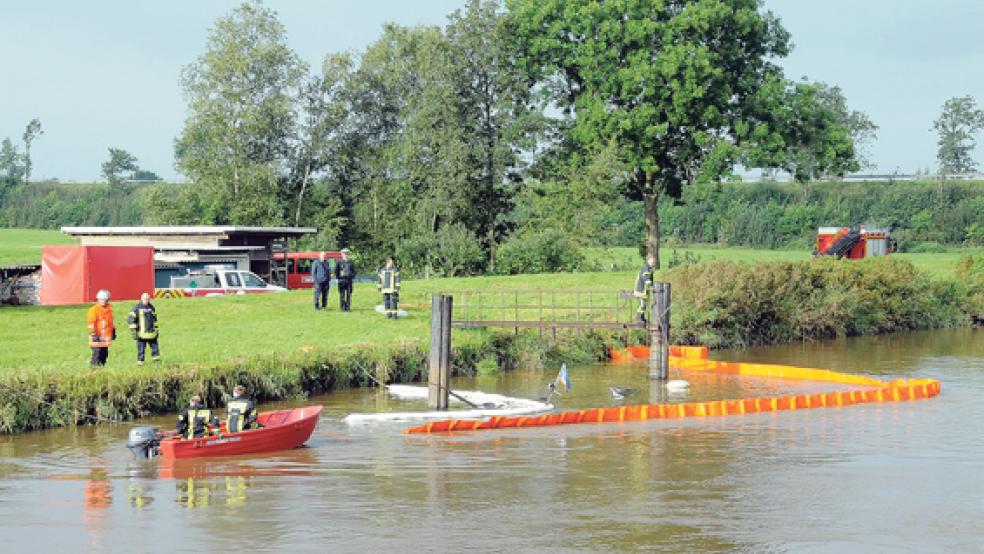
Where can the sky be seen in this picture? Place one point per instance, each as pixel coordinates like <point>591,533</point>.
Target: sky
<point>105,73</point>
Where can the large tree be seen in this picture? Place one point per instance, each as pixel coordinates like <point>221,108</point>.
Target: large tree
<point>958,123</point>
<point>121,164</point>
<point>684,88</point>
<point>241,96</point>
<point>501,120</point>
<point>863,130</point>
<point>31,133</point>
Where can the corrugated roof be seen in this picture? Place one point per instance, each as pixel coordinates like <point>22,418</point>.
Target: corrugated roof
<point>189,230</point>
<point>15,267</point>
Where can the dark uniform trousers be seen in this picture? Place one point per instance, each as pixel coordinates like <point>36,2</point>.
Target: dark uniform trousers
<point>345,294</point>
<point>142,344</point>
<point>99,355</point>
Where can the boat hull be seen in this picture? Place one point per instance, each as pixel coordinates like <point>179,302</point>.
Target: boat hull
<point>282,430</point>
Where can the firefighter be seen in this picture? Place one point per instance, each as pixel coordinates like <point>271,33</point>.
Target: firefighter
<point>240,411</point>
<point>644,288</point>
<point>194,422</point>
<point>321,274</point>
<point>389,285</point>
<point>345,273</point>
<point>102,332</point>
<point>145,328</point>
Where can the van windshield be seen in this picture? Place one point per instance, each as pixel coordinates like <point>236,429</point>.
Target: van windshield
<point>252,280</point>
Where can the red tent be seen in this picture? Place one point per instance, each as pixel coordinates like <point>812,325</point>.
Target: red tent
<point>74,274</point>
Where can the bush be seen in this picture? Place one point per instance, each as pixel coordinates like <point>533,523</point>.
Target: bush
<point>487,366</point>
<point>970,273</point>
<point>545,251</point>
<point>727,304</point>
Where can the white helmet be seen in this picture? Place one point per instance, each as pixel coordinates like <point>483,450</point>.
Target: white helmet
<point>103,294</point>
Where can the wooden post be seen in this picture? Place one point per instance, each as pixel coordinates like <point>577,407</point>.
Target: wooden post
<point>446,317</point>
<point>440,353</point>
<point>659,333</point>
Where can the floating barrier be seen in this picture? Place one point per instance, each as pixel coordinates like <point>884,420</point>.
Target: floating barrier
<point>695,359</point>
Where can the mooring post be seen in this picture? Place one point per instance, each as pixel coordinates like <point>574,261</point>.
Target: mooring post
<point>440,349</point>
<point>446,315</point>
<point>659,333</point>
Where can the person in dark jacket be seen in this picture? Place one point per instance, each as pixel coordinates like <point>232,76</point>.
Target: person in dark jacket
<point>145,328</point>
<point>644,288</point>
<point>389,285</point>
<point>345,273</point>
<point>321,274</point>
<point>194,422</point>
<point>240,411</point>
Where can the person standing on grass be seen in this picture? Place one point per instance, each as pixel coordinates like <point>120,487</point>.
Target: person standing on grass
<point>389,285</point>
<point>321,274</point>
<point>144,328</point>
<point>102,332</point>
<point>345,273</point>
<point>644,288</point>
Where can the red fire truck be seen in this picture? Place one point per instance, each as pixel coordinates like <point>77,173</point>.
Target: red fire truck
<point>299,267</point>
<point>853,242</point>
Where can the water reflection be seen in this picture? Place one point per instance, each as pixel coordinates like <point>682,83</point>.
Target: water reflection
<point>837,478</point>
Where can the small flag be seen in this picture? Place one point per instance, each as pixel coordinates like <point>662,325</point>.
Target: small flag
<point>564,378</point>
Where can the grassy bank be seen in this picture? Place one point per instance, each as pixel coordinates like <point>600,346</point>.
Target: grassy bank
<point>280,347</point>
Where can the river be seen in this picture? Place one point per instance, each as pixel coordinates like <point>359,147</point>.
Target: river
<point>883,477</point>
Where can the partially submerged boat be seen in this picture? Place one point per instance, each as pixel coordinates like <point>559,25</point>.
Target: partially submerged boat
<point>484,405</point>
<point>280,430</point>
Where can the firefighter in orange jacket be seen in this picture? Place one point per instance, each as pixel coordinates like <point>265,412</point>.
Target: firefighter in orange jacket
<point>102,332</point>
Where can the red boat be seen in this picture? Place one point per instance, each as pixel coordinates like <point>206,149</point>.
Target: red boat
<point>281,430</point>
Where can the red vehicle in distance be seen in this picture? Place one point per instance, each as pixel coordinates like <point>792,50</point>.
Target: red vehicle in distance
<point>299,267</point>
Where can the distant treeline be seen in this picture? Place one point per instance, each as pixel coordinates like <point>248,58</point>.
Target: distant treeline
<point>51,205</point>
<point>552,223</point>
<point>774,215</point>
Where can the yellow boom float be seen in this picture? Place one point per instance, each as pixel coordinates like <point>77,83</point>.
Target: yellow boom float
<point>694,358</point>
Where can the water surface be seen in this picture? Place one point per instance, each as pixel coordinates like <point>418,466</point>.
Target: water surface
<point>882,477</point>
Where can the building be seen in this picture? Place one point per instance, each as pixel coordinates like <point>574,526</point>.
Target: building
<point>178,249</point>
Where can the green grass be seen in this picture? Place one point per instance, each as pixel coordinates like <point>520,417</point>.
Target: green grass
<point>936,264</point>
<point>194,330</point>
<point>23,246</point>
<point>210,330</point>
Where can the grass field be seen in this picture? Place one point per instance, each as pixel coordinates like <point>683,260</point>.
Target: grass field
<point>938,264</point>
<point>23,246</point>
<point>240,327</point>
<point>230,328</point>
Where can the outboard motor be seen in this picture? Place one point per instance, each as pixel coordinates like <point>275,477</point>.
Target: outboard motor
<point>143,441</point>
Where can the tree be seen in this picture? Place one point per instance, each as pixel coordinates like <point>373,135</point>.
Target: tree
<point>957,125</point>
<point>863,131</point>
<point>325,109</point>
<point>120,162</point>
<point>241,97</point>
<point>683,88</point>
<point>502,121</point>
<point>814,131</point>
<point>145,175</point>
<point>11,167</point>
<point>31,133</point>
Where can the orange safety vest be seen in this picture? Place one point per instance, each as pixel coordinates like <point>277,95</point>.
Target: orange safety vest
<point>100,320</point>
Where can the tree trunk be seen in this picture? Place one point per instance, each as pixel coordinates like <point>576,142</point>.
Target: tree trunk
<point>492,246</point>
<point>300,197</point>
<point>651,199</point>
